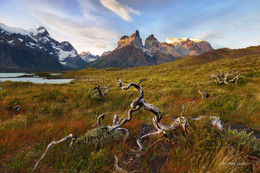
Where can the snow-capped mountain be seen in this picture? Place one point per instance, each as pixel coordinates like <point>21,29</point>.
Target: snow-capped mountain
<point>177,47</point>
<point>39,38</point>
<point>188,46</point>
<point>88,57</point>
<point>130,51</point>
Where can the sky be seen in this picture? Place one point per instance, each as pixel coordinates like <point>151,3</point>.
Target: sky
<point>97,25</point>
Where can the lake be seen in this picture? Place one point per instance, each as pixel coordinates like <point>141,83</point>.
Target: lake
<point>15,78</point>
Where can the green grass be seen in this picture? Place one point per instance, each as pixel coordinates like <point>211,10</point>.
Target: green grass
<point>51,112</point>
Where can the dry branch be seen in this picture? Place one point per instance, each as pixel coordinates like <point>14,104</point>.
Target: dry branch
<point>139,103</point>
<point>226,77</point>
<point>116,123</point>
<point>74,138</point>
<point>98,89</point>
<point>215,121</point>
<point>117,167</point>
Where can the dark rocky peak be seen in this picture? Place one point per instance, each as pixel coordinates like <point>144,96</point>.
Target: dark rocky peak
<point>136,34</point>
<point>133,40</point>
<point>124,37</point>
<point>65,45</point>
<point>151,37</point>
<point>151,41</point>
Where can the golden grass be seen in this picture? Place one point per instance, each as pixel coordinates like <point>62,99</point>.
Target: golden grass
<point>50,112</point>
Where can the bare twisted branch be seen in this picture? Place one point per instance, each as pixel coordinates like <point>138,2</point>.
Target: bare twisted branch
<point>74,138</point>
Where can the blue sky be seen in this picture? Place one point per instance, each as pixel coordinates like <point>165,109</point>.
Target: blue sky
<point>97,25</point>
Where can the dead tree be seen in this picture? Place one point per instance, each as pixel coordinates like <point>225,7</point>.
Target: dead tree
<point>73,139</point>
<point>140,103</point>
<point>98,89</point>
<point>226,77</point>
<point>108,128</point>
<point>204,94</point>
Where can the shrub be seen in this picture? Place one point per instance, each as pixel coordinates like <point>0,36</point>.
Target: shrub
<point>242,140</point>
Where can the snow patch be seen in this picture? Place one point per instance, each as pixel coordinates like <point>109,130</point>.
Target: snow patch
<point>179,40</point>
<point>64,54</point>
<point>92,59</point>
<point>10,42</point>
<point>63,63</point>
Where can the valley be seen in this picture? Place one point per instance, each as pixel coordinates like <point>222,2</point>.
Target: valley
<point>49,112</point>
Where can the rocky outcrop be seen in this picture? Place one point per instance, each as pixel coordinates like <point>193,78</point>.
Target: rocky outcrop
<point>189,47</point>
<point>177,48</point>
<point>151,45</point>
<point>153,52</point>
<point>134,40</point>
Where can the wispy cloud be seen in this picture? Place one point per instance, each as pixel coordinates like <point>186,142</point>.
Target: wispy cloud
<point>79,34</point>
<point>211,35</point>
<point>73,28</point>
<point>85,28</point>
<point>121,10</point>
<point>99,46</point>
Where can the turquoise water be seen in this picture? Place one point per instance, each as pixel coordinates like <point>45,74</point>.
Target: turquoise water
<point>11,74</point>
<point>15,78</point>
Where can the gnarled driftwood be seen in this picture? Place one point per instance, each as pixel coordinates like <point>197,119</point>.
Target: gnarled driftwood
<point>73,139</point>
<point>116,122</point>
<point>139,103</point>
<point>226,77</point>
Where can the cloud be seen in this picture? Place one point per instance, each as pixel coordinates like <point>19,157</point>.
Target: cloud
<point>73,28</point>
<point>81,22</point>
<point>211,35</point>
<point>81,35</point>
<point>90,9</point>
<point>57,7</point>
<point>100,46</point>
<point>121,10</point>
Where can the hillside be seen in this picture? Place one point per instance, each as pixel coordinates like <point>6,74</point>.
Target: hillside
<point>20,58</point>
<point>51,112</point>
<point>128,56</point>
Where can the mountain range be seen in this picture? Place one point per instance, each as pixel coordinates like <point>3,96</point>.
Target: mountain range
<point>35,49</point>
<point>131,52</point>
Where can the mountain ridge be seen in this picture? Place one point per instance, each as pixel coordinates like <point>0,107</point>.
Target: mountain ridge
<point>36,40</point>
<point>153,52</point>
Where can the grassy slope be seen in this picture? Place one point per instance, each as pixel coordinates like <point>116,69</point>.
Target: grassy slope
<point>50,112</point>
